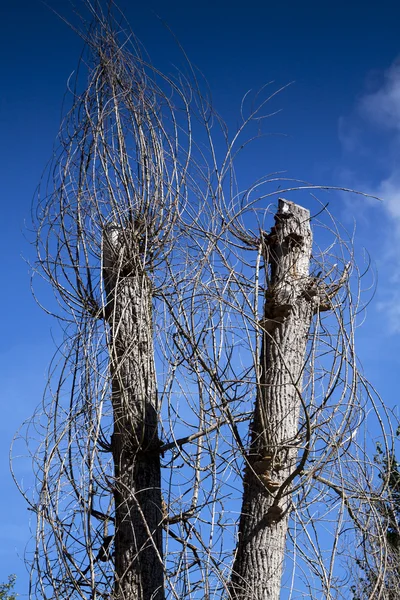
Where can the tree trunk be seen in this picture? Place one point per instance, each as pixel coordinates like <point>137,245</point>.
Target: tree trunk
<point>275,437</point>
<point>135,443</point>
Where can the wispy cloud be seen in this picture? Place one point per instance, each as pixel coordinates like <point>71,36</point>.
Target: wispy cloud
<point>389,190</point>
<point>382,106</point>
<point>370,138</point>
<point>371,134</point>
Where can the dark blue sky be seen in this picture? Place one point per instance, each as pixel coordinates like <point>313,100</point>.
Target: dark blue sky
<point>338,54</point>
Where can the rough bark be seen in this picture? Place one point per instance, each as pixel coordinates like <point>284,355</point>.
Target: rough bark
<point>135,443</point>
<point>275,438</point>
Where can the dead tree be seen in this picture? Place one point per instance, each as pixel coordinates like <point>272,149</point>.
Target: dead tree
<point>135,444</point>
<point>198,345</point>
<point>275,438</point>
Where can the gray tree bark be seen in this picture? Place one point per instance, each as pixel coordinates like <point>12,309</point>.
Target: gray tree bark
<point>288,310</point>
<point>135,443</point>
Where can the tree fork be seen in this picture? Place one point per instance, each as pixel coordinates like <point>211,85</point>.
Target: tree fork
<point>135,443</point>
<point>275,439</point>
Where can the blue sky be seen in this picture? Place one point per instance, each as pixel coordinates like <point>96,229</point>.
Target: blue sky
<point>340,121</point>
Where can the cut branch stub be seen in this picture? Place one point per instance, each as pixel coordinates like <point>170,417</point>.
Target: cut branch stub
<point>275,439</point>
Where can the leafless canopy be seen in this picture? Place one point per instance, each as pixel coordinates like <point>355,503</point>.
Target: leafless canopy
<point>142,182</point>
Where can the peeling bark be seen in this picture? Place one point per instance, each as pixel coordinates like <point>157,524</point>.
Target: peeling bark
<point>275,439</point>
<point>135,443</point>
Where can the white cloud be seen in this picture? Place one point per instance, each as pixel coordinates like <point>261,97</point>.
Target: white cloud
<point>389,190</point>
<point>370,139</point>
<point>382,107</point>
<point>380,156</point>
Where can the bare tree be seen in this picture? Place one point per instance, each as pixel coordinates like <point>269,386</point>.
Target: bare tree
<point>291,299</point>
<point>378,558</point>
<point>199,351</point>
